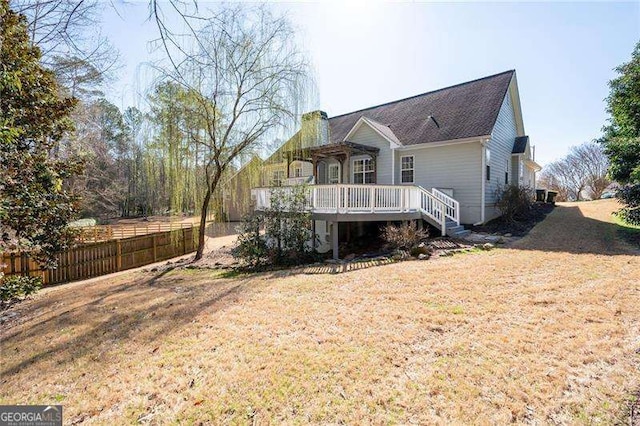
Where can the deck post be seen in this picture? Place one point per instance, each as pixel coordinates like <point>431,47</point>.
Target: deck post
<point>334,240</point>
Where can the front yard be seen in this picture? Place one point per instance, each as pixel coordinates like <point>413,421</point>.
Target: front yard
<point>547,330</point>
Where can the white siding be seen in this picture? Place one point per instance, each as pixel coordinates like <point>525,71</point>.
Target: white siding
<point>456,167</point>
<point>500,146</point>
<point>365,135</point>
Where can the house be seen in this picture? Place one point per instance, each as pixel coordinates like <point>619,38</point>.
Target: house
<point>440,157</point>
<point>237,190</point>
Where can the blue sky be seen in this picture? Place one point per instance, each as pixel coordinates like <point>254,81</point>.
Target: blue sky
<point>366,53</point>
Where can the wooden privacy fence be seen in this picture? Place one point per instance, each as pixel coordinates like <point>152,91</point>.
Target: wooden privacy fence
<point>109,232</point>
<point>101,258</point>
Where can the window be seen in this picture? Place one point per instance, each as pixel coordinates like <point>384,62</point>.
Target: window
<point>363,171</point>
<point>506,172</point>
<point>487,154</point>
<point>334,173</point>
<point>277,178</point>
<point>521,167</point>
<point>407,169</point>
<point>297,170</point>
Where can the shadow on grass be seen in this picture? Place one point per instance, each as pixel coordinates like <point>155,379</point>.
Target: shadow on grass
<point>143,311</point>
<point>567,230</point>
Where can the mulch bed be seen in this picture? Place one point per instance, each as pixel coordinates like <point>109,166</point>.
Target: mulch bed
<point>518,229</point>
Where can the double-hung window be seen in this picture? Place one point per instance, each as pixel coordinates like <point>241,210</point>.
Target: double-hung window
<point>407,169</point>
<point>334,173</point>
<point>506,172</point>
<point>277,178</point>
<point>488,163</point>
<point>363,171</point>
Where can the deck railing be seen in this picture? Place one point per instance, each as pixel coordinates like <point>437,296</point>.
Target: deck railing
<point>358,199</point>
<point>452,206</point>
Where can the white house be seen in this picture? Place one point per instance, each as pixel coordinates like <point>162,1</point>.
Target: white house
<point>440,156</point>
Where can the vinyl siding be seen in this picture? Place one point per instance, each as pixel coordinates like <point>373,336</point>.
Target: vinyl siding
<point>456,167</point>
<point>500,146</point>
<point>365,135</point>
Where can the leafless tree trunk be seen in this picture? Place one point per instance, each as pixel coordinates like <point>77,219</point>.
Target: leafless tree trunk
<point>246,77</point>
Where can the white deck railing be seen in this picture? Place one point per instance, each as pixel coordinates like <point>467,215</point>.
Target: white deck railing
<point>358,199</point>
<point>452,206</point>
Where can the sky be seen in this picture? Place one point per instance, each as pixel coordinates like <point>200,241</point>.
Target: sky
<point>365,53</point>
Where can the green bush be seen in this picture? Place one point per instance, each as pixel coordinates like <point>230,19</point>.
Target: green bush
<point>287,238</point>
<point>403,237</point>
<point>251,247</point>
<point>514,202</point>
<point>17,287</point>
<point>629,195</point>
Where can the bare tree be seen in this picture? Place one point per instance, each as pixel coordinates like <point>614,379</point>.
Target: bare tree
<point>594,165</point>
<point>559,177</point>
<point>67,29</point>
<point>584,169</point>
<point>246,77</point>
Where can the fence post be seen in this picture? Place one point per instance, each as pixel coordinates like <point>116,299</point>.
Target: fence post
<point>118,255</point>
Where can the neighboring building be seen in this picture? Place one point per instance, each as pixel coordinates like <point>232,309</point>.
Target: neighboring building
<point>236,192</point>
<point>441,156</point>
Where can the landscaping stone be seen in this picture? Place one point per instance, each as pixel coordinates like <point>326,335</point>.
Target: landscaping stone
<point>487,246</point>
<point>423,256</point>
<point>400,255</point>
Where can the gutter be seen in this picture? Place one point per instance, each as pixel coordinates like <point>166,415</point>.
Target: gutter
<point>443,143</point>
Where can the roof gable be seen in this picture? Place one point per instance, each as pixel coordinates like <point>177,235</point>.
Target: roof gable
<point>461,111</point>
<point>384,131</point>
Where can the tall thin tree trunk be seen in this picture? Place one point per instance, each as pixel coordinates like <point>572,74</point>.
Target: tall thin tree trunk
<point>203,224</point>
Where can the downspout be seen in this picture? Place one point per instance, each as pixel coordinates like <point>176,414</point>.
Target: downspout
<point>483,181</point>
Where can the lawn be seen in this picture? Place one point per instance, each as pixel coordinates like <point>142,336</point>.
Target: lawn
<point>544,331</point>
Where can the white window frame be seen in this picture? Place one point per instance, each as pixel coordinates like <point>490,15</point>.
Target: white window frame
<point>297,170</point>
<point>365,171</point>
<point>412,169</point>
<point>507,174</point>
<point>330,179</point>
<point>277,177</point>
<point>487,171</point>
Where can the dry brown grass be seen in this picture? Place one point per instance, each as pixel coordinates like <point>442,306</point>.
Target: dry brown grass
<point>522,334</point>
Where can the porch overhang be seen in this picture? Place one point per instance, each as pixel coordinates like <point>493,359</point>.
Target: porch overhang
<point>341,150</point>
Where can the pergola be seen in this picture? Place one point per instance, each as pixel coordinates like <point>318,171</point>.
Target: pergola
<point>340,151</point>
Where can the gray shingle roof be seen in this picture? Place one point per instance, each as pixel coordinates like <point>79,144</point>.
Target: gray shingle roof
<point>520,145</point>
<point>462,111</point>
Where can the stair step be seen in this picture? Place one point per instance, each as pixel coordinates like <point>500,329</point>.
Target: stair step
<point>454,229</point>
<point>462,233</point>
